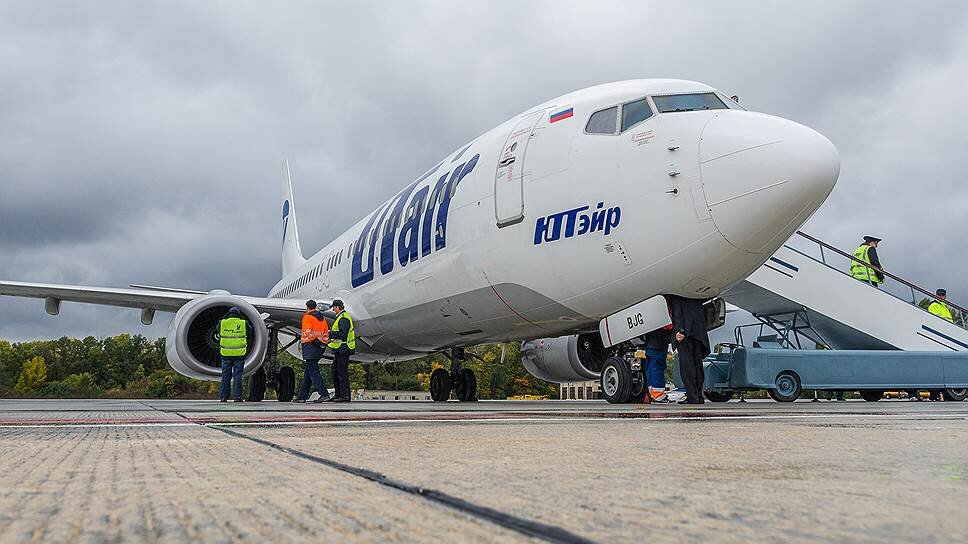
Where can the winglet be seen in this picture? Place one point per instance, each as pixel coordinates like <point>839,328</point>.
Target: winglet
<point>292,256</point>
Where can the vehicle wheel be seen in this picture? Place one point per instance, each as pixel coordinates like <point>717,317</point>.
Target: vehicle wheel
<point>286,386</point>
<point>257,386</point>
<point>787,387</point>
<point>467,388</point>
<point>956,395</point>
<point>616,380</point>
<point>440,385</point>
<point>637,389</point>
<point>718,396</point>
<point>871,396</point>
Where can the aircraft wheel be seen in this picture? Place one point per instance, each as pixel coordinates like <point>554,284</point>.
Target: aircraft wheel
<point>257,386</point>
<point>616,380</point>
<point>440,385</point>
<point>637,388</point>
<point>286,384</point>
<point>787,387</point>
<point>956,395</point>
<point>718,396</point>
<point>466,389</point>
<point>871,396</point>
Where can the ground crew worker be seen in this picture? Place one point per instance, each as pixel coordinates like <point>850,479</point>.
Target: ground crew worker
<point>867,253</point>
<point>692,342</point>
<point>342,344</point>
<point>315,334</point>
<point>232,335</point>
<point>656,349</point>
<point>939,308</point>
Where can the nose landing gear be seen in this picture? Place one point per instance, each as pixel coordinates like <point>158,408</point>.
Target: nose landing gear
<point>622,379</point>
<point>462,381</point>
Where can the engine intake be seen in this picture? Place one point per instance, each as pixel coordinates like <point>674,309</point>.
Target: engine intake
<point>564,359</point>
<point>192,345</point>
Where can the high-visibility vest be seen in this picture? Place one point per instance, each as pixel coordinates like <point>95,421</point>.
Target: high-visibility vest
<point>350,332</point>
<point>941,310</point>
<point>861,272</point>
<point>231,337</point>
<point>314,328</point>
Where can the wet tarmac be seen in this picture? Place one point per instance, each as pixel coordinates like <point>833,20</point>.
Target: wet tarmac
<point>490,471</point>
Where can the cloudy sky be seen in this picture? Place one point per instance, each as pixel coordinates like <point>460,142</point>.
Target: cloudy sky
<point>133,133</point>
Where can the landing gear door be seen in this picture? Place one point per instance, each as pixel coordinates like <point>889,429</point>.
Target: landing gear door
<point>509,179</point>
<point>636,320</point>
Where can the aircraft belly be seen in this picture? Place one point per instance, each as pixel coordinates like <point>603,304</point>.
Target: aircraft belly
<point>475,317</point>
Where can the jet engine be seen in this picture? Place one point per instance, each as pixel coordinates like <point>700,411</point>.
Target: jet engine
<point>564,359</point>
<point>192,345</point>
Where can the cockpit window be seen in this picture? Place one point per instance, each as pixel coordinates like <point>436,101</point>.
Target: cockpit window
<point>688,102</point>
<point>634,113</point>
<point>602,122</point>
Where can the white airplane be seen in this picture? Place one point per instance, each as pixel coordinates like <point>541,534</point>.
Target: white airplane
<point>562,227</point>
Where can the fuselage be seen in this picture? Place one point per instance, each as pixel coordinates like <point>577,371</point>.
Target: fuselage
<point>555,219</point>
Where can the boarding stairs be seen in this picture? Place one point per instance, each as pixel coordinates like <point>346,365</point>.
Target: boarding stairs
<point>809,294</point>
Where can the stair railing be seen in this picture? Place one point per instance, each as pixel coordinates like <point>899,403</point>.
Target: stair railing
<point>962,312</point>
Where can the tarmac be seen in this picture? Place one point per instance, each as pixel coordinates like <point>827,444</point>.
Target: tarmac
<point>489,471</point>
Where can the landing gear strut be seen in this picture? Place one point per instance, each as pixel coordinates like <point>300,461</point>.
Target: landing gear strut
<point>462,381</point>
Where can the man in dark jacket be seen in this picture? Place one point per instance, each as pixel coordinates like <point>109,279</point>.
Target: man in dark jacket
<point>315,335</point>
<point>692,341</point>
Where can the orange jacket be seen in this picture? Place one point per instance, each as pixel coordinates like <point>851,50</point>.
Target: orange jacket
<point>314,327</point>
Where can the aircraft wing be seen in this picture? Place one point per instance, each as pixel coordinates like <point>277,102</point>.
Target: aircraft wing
<point>161,299</point>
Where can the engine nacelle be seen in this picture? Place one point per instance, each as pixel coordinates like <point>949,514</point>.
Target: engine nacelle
<point>192,345</point>
<point>564,359</point>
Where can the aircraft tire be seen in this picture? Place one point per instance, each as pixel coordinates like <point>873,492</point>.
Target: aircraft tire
<point>440,385</point>
<point>257,386</point>
<point>871,396</point>
<point>718,396</point>
<point>466,389</point>
<point>955,395</point>
<point>616,381</point>
<point>787,387</point>
<point>637,388</point>
<point>286,386</point>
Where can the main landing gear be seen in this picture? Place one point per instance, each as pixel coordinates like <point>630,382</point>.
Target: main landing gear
<point>462,381</point>
<point>270,374</point>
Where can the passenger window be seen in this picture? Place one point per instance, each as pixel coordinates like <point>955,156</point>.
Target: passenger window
<point>688,102</point>
<point>634,113</point>
<point>602,122</point>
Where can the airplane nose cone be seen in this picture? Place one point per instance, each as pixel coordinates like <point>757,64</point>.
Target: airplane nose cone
<point>763,177</point>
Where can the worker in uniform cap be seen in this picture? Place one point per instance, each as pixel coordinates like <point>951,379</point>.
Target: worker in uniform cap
<point>939,308</point>
<point>315,335</point>
<point>866,255</point>
<point>342,344</point>
<point>233,332</point>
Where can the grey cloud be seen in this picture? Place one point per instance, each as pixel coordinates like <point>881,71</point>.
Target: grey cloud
<point>131,133</point>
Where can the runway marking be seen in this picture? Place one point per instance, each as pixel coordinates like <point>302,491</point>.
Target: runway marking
<point>549,533</point>
<point>34,425</point>
<point>331,421</point>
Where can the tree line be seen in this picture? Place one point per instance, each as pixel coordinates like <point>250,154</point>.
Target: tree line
<point>132,366</point>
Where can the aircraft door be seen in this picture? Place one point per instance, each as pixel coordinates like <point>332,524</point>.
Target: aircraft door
<point>509,179</point>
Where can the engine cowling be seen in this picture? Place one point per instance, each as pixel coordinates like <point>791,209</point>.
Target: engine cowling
<point>192,345</point>
<point>564,359</point>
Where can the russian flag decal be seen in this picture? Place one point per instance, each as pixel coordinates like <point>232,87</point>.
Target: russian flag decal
<point>563,114</point>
